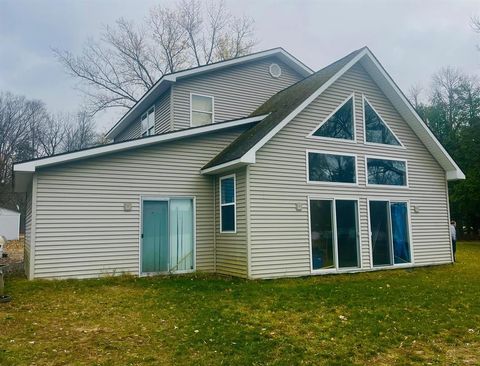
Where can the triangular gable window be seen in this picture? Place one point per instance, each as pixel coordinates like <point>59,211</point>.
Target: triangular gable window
<point>376,130</point>
<point>340,124</point>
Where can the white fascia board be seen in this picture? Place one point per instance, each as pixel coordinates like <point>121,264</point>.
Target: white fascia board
<point>411,116</point>
<point>244,160</point>
<point>31,166</point>
<point>171,78</point>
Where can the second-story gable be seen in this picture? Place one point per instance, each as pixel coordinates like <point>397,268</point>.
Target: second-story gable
<point>219,94</point>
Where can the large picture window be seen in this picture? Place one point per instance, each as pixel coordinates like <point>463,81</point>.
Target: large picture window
<point>376,130</point>
<point>227,204</point>
<point>331,168</point>
<point>334,234</point>
<point>201,110</point>
<point>386,172</point>
<point>389,233</point>
<point>148,122</point>
<point>340,124</point>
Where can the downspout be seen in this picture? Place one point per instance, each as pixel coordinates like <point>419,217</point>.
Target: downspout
<point>448,219</point>
<point>214,180</point>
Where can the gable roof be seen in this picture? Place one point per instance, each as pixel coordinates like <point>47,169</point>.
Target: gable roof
<point>24,170</point>
<point>287,104</point>
<point>164,83</point>
<point>7,212</point>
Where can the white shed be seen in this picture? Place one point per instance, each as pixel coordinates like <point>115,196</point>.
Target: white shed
<point>9,224</point>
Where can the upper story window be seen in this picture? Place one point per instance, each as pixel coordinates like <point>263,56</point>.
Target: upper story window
<point>331,168</point>
<point>201,112</point>
<point>227,204</point>
<point>148,122</point>
<point>340,124</point>
<point>376,130</point>
<point>386,172</point>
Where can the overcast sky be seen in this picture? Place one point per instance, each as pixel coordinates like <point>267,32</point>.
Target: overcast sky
<point>412,39</point>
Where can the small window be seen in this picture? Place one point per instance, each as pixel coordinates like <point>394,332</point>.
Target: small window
<point>331,168</point>
<point>201,110</point>
<point>387,172</point>
<point>148,122</point>
<point>340,124</point>
<point>227,204</point>
<point>376,130</point>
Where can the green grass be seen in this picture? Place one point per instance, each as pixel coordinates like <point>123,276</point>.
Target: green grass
<point>428,315</point>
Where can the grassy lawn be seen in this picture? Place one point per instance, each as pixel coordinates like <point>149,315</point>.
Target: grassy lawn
<point>428,315</point>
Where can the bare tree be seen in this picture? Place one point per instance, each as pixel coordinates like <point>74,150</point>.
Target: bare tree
<point>116,70</point>
<point>415,95</point>
<point>52,134</point>
<point>80,133</point>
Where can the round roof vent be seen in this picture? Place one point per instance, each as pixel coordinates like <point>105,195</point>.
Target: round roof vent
<point>275,70</point>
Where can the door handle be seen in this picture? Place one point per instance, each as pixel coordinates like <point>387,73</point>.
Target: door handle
<point>142,236</point>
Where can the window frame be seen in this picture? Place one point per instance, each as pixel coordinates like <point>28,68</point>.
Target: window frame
<point>337,269</point>
<point>315,151</point>
<point>401,146</point>
<point>199,111</point>
<point>390,186</point>
<point>409,220</point>
<point>334,139</point>
<point>146,114</point>
<point>234,203</point>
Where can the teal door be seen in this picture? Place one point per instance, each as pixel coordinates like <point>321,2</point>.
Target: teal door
<point>155,242</point>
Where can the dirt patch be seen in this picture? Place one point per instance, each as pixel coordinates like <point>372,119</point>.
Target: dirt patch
<point>14,258</point>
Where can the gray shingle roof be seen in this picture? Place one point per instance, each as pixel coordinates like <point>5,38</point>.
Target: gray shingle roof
<point>279,106</point>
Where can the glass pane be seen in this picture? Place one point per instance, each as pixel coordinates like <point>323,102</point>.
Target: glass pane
<point>144,123</point>
<point>340,125</point>
<point>228,218</point>
<point>347,233</point>
<point>401,245</point>
<point>380,233</point>
<point>200,118</point>
<point>321,234</point>
<point>228,190</point>
<point>388,172</point>
<point>155,245</point>
<point>181,234</point>
<point>331,168</point>
<point>200,103</point>
<point>151,118</point>
<point>376,130</point>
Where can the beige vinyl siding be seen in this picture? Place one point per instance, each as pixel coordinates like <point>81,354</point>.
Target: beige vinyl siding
<point>280,244</point>
<point>237,90</point>
<point>162,113</point>
<point>231,248</point>
<point>82,229</point>
<point>28,233</point>
<point>133,131</point>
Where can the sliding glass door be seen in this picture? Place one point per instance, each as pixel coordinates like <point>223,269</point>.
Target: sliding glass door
<point>389,233</point>
<point>167,236</point>
<point>334,234</point>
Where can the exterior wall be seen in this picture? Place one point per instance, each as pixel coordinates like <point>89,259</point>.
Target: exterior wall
<point>280,244</point>
<point>162,114</point>
<point>237,90</point>
<point>133,131</point>
<point>162,121</point>
<point>28,233</point>
<point>231,248</point>
<point>82,229</point>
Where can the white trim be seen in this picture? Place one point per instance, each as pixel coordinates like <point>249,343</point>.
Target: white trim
<point>333,199</point>
<point>410,237</point>
<point>206,112</point>
<point>149,197</point>
<point>248,221</point>
<point>354,140</point>
<point>31,166</point>
<point>340,184</point>
<point>172,78</point>
<point>365,99</point>
<point>389,186</point>
<point>234,203</point>
<point>33,229</point>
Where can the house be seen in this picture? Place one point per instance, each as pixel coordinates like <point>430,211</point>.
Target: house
<point>9,224</point>
<point>254,167</point>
